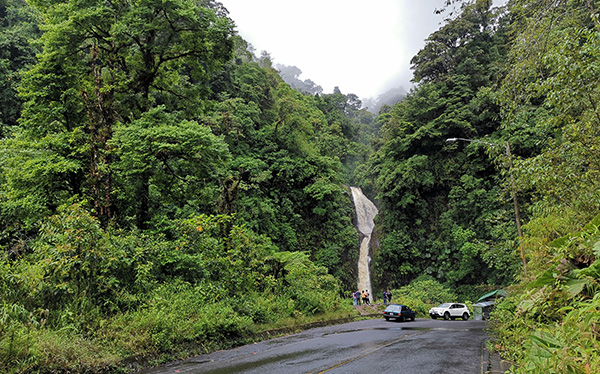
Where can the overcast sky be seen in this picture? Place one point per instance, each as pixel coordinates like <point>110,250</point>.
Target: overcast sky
<point>362,47</point>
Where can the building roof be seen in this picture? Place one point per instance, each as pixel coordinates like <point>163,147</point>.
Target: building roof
<point>494,294</point>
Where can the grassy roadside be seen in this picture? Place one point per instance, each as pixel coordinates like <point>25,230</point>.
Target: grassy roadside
<point>148,337</point>
<point>283,327</point>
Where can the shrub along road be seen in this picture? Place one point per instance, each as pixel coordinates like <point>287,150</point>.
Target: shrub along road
<point>374,346</point>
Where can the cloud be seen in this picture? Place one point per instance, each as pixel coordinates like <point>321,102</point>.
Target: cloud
<point>363,47</point>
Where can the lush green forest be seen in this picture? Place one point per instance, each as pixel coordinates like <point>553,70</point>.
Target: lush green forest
<point>157,176</point>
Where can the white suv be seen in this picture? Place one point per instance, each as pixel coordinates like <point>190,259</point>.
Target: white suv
<point>450,311</point>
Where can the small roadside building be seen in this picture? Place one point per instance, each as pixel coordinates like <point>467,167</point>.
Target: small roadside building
<point>485,304</point>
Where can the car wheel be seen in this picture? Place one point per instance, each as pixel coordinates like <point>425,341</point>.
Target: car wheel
<point>433,317</point>
<point>412,318</point>
<point>402,319</point>
<point>465,316</point>
<point>446,316</point>
<point>387,318</point>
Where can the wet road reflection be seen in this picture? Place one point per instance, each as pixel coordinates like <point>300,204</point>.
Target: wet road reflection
<point>423,346</point>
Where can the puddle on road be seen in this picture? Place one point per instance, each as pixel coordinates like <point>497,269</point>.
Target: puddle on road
<point>240,368</point>
<point>283,339</point>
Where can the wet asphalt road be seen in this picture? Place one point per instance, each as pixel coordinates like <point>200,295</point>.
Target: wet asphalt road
<point>371,346</point>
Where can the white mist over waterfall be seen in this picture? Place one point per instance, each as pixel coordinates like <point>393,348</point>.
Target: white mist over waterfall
<point>365,213</point>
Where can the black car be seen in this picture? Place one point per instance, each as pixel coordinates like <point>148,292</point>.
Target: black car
<point>399,313</point>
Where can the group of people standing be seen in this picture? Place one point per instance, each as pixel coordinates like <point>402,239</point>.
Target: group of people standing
<point>359,295</point>
<point>362,297</point>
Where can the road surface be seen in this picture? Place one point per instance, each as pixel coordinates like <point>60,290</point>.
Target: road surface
<point>370,346</point>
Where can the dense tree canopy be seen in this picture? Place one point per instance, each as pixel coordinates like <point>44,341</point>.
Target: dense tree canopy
<point>141,113</point>
<point>439,200</point>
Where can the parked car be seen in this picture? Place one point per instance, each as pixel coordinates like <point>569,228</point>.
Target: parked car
<point>450,311</point>
<point>399,313</point>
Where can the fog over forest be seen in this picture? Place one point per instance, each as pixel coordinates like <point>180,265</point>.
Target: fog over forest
<point>291,75</point>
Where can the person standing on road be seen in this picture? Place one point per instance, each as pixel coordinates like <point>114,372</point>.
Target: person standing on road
<point>384,297</point>
<point>354,298</point>
<point>389,296</point>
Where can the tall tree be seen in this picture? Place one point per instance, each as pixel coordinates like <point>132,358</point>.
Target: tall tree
<point>105,64</point>
<point>291,76</point>
<point>18,29</point>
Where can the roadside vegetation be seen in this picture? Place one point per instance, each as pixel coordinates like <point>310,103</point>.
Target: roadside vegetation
<point>549,323</point>
<point>89,300</point>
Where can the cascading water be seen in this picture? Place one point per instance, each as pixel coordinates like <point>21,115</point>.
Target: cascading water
<point>365,213</point>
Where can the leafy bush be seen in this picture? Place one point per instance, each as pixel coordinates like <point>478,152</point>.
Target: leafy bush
<point>556,317</point>
<point>569,345</point>
<point>262,309</point>
<point>311,287</point>
<point>170,320</point>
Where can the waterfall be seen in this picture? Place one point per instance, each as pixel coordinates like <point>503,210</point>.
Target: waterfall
<point>365,213</point>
